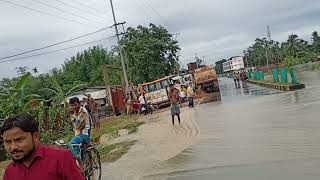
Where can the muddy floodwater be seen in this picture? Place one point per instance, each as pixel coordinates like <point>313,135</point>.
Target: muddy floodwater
<point>253,133</point>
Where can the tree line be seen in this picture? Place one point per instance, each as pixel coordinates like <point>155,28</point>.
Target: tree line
<point>294,50</point>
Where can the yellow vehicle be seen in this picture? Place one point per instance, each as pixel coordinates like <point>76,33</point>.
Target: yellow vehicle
<point>156,92</point>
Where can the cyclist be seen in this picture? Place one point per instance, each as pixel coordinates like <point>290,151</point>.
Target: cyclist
<point>82,128</point>
<point>31,160</point>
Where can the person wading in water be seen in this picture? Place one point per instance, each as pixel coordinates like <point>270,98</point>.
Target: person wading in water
<point>175,102</point>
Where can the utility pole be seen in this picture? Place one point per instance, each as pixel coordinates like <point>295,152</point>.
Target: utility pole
<point>267,45</point>
<point>120,50</point>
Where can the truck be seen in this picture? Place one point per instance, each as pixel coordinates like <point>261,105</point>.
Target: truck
<point>207,79</point>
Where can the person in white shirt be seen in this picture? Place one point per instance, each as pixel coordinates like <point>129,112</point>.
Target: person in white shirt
<point>190,94</point>
<point>141,100</point>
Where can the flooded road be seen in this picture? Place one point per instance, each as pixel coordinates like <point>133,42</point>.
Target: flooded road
<point>254,133</point>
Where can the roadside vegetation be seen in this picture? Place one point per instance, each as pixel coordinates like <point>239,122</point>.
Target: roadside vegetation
<point>45,95</point>
<point>294,51</point>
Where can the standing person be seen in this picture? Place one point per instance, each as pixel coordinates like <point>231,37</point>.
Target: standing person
<point>94,112</point>
<point>190,94</point>
<point>85,104</point>
<point>32,160</point>
<point>235,78</point>
<point>129,103</point>
<point>88,106</point>
<point>175,102</point>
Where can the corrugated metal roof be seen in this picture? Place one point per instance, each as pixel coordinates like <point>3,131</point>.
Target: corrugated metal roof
<point>95,94</point>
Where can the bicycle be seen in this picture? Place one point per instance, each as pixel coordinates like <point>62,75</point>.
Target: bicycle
<point>90,158</point>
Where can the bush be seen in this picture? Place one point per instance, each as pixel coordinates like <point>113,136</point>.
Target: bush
<point>3,153</point>
<point>114,132</point>
<point>316,67</point>
<point>133,127</point>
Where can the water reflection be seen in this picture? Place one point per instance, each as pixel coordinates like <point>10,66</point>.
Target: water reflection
<point>231,91</point>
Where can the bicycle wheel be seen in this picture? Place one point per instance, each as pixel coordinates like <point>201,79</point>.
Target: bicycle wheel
<point>87,165</point>
<point>94,164</point>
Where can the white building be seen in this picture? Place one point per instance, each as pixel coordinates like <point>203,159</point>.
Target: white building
<point>233,64</point>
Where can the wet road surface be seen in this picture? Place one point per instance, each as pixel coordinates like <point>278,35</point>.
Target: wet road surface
<point>254,133</point>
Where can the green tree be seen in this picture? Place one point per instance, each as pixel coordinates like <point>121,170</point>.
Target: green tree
<point>219,66</point>
<point>56,98</point>
<point>13,97</point>
<point>274,51</point>
<point>294,45</point>
<point>293,50</point>
<point>256,53</point>
<point>315,43</point>
<point>86,67</point>
<point>152,53</point>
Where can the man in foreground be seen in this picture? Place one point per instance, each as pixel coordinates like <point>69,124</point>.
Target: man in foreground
<point>31,160</point>
<point>175,102</point>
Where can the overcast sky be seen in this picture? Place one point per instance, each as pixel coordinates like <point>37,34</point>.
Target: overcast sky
<point>214,29</point>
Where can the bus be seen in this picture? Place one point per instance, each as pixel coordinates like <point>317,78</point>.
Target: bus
<point>156,92</point>
<point>181,82</point>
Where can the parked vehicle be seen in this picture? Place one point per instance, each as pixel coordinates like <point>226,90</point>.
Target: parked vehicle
<point>144,108</point>
<point>206,78</point>
<point>156,92</point>
<point>180,84</point>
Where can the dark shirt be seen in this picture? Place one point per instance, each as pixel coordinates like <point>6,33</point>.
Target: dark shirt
<point>49,164</point>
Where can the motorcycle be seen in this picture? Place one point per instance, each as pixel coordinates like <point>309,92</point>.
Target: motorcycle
<point>144,108</point>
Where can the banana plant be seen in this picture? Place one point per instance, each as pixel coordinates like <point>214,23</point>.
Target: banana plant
<point>59,96</point>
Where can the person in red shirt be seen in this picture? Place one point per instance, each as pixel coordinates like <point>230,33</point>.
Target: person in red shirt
<point>30,159</point>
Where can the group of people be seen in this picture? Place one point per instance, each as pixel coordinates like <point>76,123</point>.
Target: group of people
<point>174,97</point>
<point>239,76</point>
<point>32,160</point>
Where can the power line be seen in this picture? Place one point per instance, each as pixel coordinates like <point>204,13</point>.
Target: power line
<point>155,11</point>
<point>50,52</point>
<point>77,8</point>
<point>43,12</point>
<point>64,11</point>
<point>90,7</point>
<point>142,6</point>
<point>55,44</point>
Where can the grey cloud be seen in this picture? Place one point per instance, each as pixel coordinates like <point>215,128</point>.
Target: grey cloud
<point>212,28</point>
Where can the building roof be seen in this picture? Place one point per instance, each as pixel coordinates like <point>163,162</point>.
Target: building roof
<point>96,93</point>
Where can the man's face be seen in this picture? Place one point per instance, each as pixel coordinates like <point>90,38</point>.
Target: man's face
<point>19,144</point>
<point>171,88</point>
<point>75,107</point>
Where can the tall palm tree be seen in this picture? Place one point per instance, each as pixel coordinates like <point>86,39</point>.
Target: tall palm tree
<point>275,51</point>
<point>294,45</point>
<point>315,42</point>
